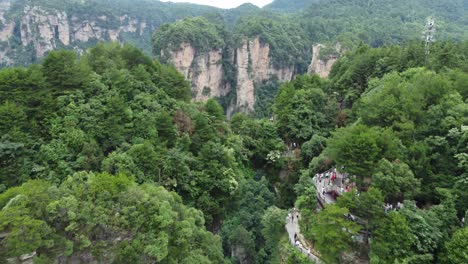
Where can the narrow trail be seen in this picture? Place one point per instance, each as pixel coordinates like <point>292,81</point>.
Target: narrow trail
<point>324,186</point>
<point>292,227</point>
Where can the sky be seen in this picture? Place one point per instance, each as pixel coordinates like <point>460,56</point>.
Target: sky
<point>223,3</point>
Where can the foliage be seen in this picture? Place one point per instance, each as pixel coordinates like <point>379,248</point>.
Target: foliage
<point>457,247</point>
<point>302,109</point>
<point>273,228</point>
<point>359,148</point>
<point>289,6</point>
<point>306,201</point>
<point>396,181</point>
<point>286,39</point>
<point>393,124</point>
<point>391,241</point>
<point>108,217</point>
<point>243,227</point>
<point>198,32</point>
<point>380,22</point>
<point>333,233</point>
<point>123,116</point>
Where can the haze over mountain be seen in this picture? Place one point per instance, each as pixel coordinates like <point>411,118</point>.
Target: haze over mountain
<point>223,4</point>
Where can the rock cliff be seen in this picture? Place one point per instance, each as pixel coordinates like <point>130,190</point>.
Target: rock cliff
<point>204,70</point>
<point>254,65</point>
<point>322,64</point>
<point>29,31</point>
<point>31,28</point>
<point>252,61</point>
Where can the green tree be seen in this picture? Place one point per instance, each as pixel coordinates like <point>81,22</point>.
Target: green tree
<point>62,70</point>
<point>395,180</point>
<point>92,213</point>
<point>392,240</point>
<point>214,109</point>
<point>457,247</point>
<point>273,228</point>
<point>333,233</point>
<point>359,148</point>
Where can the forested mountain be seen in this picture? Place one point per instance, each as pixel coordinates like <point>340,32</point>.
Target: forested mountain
<point>242,62</point>
<point>115,111</point>
<point>289,6</point>
<point>383,22</point>
<point>113,156</point>
<point>29,29</point>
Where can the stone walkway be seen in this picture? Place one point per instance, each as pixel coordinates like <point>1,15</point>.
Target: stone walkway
<point>293,228</point>
<point>324,183</point>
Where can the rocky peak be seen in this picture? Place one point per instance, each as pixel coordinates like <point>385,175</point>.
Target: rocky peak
<point>253,63</point>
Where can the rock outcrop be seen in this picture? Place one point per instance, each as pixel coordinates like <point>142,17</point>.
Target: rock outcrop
<point>253,63</point>
<point>322,66</point>
<point>39,30</point>
<point>204,70</point>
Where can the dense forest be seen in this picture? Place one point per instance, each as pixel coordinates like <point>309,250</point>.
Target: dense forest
<point>104,158</point>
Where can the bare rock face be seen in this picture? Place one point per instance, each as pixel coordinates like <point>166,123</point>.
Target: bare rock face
<point>42,29</point>
<point>183,58</point>
<point>8,26</point>
<point>46,29</point>
<point>84,32</point>
<point>252,60</point>
<point>322,67</point>
<point>245,81</point>
<point>204,70</point>
<point>208,76</point>
<point>254,65</point>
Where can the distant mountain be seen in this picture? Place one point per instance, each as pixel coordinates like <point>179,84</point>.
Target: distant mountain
<point>243,62</point>
<point>231,15</point>
<point>31,28</point>
<point>289,5</point>
<point>383,22</point>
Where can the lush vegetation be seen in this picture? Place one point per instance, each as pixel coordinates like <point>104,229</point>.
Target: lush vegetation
<point>104,218</point>
<point>197,31</point>
<point>288,5</point>
<point>348,24</point>
<point>94,150</point>
<point>287,40</point>
<point>382,22</point>
<point>104,158</point>
<point>400,130</point>
<point>153,13</point>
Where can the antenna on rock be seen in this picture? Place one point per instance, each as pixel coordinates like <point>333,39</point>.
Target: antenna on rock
<point>429,33</point>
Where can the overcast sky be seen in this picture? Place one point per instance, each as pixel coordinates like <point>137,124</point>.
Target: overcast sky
<point>223,3</point>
